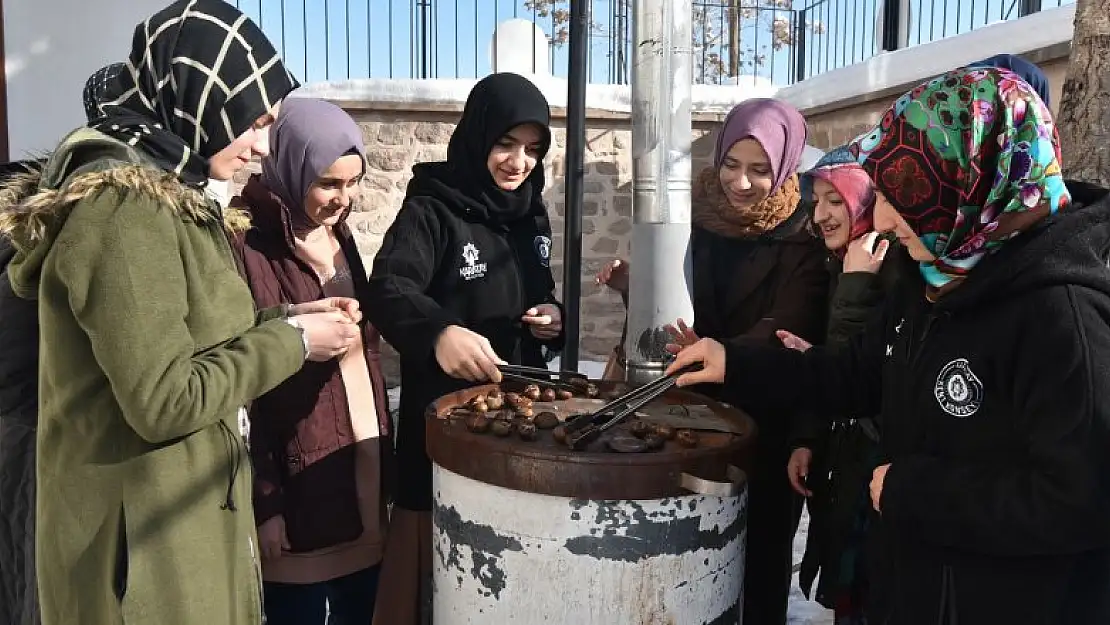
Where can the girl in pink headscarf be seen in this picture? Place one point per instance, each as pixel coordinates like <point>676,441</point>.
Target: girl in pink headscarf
<point>831,466</point>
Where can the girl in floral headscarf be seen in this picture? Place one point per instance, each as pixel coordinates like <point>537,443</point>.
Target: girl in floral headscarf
<point>992,497</point>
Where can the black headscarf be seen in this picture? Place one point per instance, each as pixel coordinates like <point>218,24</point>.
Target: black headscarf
<point>99,88</point>
<point>1029,72</point>
<point>199,75</point>
<point>496,105</point>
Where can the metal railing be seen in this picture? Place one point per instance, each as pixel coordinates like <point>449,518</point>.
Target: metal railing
<point>843,32</point>
<point>734,40</point>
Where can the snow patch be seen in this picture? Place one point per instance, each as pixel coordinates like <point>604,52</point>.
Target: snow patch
<point>453,91</point>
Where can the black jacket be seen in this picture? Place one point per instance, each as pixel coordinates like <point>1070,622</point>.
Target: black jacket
<point>995,422</point>
<point>844,453</point>
<point>445,262</point>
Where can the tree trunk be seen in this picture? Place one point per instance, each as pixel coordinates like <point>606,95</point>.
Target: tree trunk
<point>734,38</point>
<point>1084,118</point>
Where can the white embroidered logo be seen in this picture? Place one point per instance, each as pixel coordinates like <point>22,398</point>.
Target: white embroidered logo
<point>958,390</point>
<point>471,268</point>
<point>543,249</point>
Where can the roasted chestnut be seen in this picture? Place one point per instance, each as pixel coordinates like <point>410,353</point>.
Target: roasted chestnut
<point>477,423</point>
<point>525,411</point>
<point>640,429</point>
<point>526,431</point>
<point>500,427</point>
<point>654,441</point>
<point>559,434</point>
<point>664,431</point>
<point>622,443</point>
<point>546,420</point>
<point>495,399</point>
<point>547,394</point>
<point>686,438</point>
<point>479,407</point>
<point>512,400</point>
<point>592,390</point>
<point>563,394</point>
<point>532,391</point>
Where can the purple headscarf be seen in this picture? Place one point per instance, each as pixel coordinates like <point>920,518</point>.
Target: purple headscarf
<point>776,125</point>
<point>308,136</point>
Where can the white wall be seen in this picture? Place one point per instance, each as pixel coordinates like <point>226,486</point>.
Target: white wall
<point>50,48</point>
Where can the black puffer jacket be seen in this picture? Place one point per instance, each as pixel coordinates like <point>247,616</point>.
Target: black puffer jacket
<point>995,423</point>
<point>18,417</point>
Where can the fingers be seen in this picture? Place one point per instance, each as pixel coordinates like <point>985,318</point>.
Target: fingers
<point>793,472</point>
<point>786,337</point>
<point>685,329</point>
<point>490,360</point>
<point>881,250</point>
<point>685,356</point>
<point>285,542</point>
<point>868,241</point>
<point>537,320</point>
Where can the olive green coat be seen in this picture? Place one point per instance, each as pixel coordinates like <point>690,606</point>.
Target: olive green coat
<point>149,347</point>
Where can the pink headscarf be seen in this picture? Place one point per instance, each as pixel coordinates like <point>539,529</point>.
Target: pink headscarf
<point>776,125</point>
<point>854,185</point>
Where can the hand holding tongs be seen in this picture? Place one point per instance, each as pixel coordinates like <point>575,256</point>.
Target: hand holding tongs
<point>584,429</point>
<point>535,375</point>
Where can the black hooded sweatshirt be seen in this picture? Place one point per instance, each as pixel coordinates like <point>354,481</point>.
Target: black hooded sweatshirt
<point>996,425</point>
<point>463,252</point>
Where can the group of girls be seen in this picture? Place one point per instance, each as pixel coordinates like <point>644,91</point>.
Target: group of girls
<point>171,328</point>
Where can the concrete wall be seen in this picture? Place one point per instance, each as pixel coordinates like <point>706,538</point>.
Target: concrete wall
<point>50,48</point>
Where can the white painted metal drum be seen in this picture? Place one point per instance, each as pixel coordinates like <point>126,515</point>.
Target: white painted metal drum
<point>506,557</point>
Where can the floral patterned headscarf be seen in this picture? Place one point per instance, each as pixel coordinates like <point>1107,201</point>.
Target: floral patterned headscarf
<point>970,159</point>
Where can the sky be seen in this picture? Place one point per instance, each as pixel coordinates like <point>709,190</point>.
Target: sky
<point>377,38</point>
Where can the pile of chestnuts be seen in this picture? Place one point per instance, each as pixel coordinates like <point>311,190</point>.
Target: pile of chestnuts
<point>504,413</point>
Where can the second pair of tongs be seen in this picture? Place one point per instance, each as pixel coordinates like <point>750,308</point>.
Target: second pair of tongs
<point>535,375</point>
<point>584,429</point>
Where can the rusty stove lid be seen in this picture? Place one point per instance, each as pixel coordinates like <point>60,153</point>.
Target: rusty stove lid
<point>547,467</point>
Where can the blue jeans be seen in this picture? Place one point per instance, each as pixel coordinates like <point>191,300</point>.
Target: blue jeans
<point>347,600</point>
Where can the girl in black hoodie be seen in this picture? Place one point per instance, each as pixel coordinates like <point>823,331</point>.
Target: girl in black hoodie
<point>461,284</point>
<point>992,496</point>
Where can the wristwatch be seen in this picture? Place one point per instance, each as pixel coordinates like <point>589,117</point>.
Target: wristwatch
<point>296,323</point>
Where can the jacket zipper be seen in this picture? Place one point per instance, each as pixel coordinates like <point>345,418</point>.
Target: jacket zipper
<point>257,578</point>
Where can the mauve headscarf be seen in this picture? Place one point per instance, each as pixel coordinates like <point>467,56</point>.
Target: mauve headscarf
<point>776,125</point>
<point>308,136</point>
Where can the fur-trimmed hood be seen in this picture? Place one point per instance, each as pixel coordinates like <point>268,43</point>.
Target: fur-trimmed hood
<point>34,204</point>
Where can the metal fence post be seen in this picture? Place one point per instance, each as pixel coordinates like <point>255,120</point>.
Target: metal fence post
<point>800,46</point>
<point>1028,7</point>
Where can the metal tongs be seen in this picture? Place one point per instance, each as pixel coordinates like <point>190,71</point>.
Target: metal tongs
<point>584,429</point>
<point>530,375</point>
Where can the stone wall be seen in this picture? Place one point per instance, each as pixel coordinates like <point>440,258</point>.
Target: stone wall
<point>396,138</point>
<point>399,134</point>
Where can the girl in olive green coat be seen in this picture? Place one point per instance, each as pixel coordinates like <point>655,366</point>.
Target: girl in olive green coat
<point>150,344</point>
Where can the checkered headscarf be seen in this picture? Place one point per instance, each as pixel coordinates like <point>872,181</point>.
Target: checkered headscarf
<point>98,87</point>
<point>199,75</point>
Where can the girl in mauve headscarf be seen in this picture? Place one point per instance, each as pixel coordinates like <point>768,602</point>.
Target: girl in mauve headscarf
<point>319,440</point>
<point>991,498</point>
<point>757,269</point>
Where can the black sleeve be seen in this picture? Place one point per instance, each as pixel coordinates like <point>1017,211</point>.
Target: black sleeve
<point>404,267</point>
<point>855,300</point>
<point>1046,500</point>
<point>837,383</point>
<point>19,349</point>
